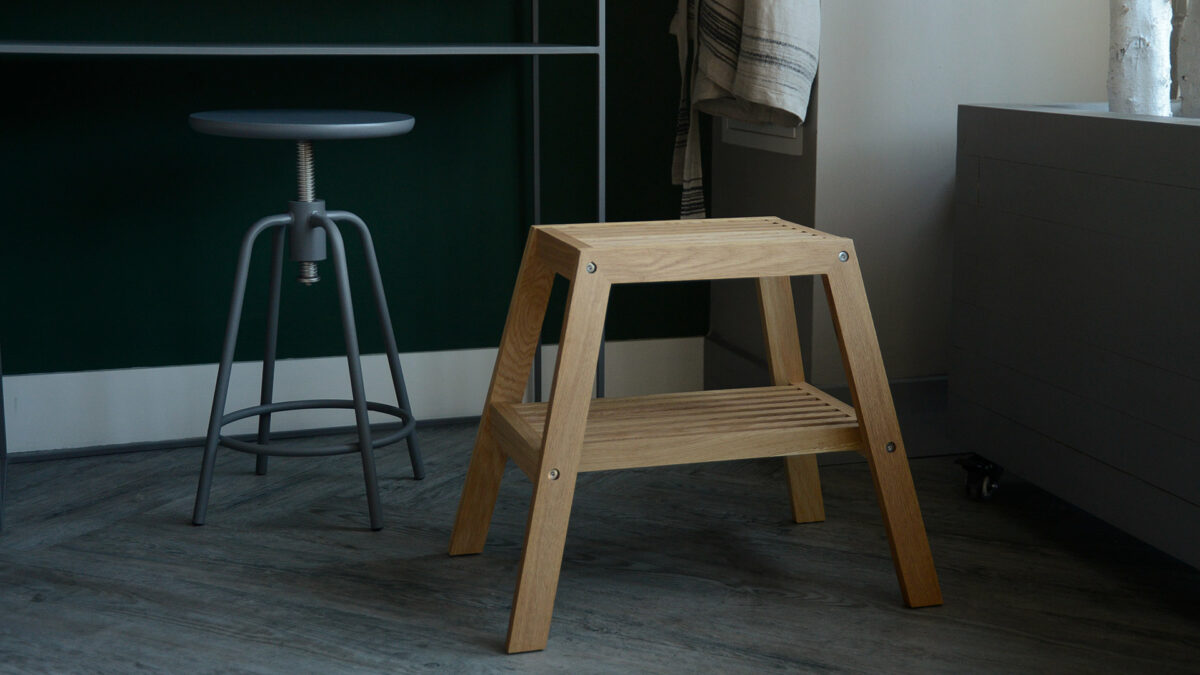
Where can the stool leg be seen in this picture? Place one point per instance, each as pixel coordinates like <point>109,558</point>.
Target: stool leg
<point>338,255</point>
<point>389,334</point>
<point>513,361</point>
<point>562,445</point>
<point>881,432</point>
<point>787,367</point>
<point>221,390</point>
<point>268,367</point>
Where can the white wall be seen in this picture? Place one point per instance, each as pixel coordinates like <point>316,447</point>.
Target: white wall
<point>57,411</point>
<point>892,73</point>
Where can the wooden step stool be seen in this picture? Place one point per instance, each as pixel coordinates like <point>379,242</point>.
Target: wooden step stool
<point>552,442</point>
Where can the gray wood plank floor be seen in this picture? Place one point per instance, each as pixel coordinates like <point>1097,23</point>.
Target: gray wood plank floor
<point>682,569</point>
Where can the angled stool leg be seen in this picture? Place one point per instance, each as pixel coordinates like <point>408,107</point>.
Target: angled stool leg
<point>338,255</point>
<point>562,445</point>
<point>268,367</point>
<point>881,434</point>
<point>515,357</point>
<point>787,367</point>
<point>200,509</point>
<point>389,333</point>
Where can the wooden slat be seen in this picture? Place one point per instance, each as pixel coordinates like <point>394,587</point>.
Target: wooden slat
<point>658,231</point>
<point>691,426</point>
<point>678,234</point>
<point>689,407</point>
<point>747,395</point>
<point>744,238</point>
<point>733,409</point>
<point>695,427</point>
<point>589,232</point>
<point>720,409</point>
<point>719,446</point>
<point>697,424</point>
<point>692,250</point>
<point>716,260</point>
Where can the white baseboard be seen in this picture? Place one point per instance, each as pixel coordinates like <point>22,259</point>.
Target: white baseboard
<point>58,411</point>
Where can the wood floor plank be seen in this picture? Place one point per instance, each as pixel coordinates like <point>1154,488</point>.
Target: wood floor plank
<point>100,571</point>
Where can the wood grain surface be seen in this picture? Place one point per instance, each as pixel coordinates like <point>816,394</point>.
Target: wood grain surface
<point>639,431</point>
<point>509,375</point>
<point>721,248</point>
<point>881,434</point>
<point>777,309</point>
<point>558,465</point>
<point>789,419</point>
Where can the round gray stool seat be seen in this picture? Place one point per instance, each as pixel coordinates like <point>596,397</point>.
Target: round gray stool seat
<point>301,125</point>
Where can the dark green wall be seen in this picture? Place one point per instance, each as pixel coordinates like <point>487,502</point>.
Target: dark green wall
<point>122,224</point>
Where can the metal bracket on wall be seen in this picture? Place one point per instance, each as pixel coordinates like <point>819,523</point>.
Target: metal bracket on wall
<point>769,137</point>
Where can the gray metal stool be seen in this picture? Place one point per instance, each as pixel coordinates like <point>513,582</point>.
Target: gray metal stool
<point>306,227</point>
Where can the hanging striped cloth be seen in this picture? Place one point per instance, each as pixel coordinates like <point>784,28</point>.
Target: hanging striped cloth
<point>748,60</point>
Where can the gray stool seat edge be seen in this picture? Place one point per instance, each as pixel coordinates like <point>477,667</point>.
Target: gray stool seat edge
<point>301,125</point>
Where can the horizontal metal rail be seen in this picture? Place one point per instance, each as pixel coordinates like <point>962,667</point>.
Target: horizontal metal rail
<point>202,49</point>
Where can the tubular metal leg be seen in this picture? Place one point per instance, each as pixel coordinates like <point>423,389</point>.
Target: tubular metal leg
<point>268,367</point>
<point>389,334</point>
<point>223,371</point>
<point>338,256</point>
<point>3,451</point>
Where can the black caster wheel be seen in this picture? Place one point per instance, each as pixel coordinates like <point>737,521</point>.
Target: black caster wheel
<point>983,477</point>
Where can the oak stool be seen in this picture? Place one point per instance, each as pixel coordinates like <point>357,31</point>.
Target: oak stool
<point>552,442</point>
<point>308,229</point>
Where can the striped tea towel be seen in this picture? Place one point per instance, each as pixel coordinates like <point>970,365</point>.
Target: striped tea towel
<point>748,60</point>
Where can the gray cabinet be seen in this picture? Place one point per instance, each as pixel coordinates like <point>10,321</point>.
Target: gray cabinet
<point>1076,321</point>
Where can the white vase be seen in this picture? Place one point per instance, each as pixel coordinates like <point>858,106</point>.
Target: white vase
<point>1139,57</point>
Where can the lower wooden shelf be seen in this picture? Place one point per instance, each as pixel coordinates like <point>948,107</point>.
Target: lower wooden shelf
<point>703,426</point>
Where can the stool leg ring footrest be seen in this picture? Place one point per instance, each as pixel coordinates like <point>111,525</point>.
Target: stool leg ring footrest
<point>263,448</point>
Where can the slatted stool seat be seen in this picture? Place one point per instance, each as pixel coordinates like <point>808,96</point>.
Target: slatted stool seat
<point>307,229</point>
<point>552,442</point>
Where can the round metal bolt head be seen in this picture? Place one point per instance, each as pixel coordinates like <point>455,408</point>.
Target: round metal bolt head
<point>891,447</point>
<point>553,475</point>
<point>591,268</point>
<point>843,256</point>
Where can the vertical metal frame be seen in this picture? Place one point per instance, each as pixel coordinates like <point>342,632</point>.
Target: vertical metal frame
<point>601,158</point>
<point>3,450</point>
<point>537,170</point>
<point>601,141</point>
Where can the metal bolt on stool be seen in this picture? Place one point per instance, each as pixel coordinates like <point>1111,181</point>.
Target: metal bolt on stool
<point>308,229</point>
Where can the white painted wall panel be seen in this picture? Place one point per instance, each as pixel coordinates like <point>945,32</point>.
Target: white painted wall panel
<point>892,73</point>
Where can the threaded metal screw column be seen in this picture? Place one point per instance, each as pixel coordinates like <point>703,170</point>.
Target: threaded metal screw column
<point>307,273</point>
<point>304,166</point>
